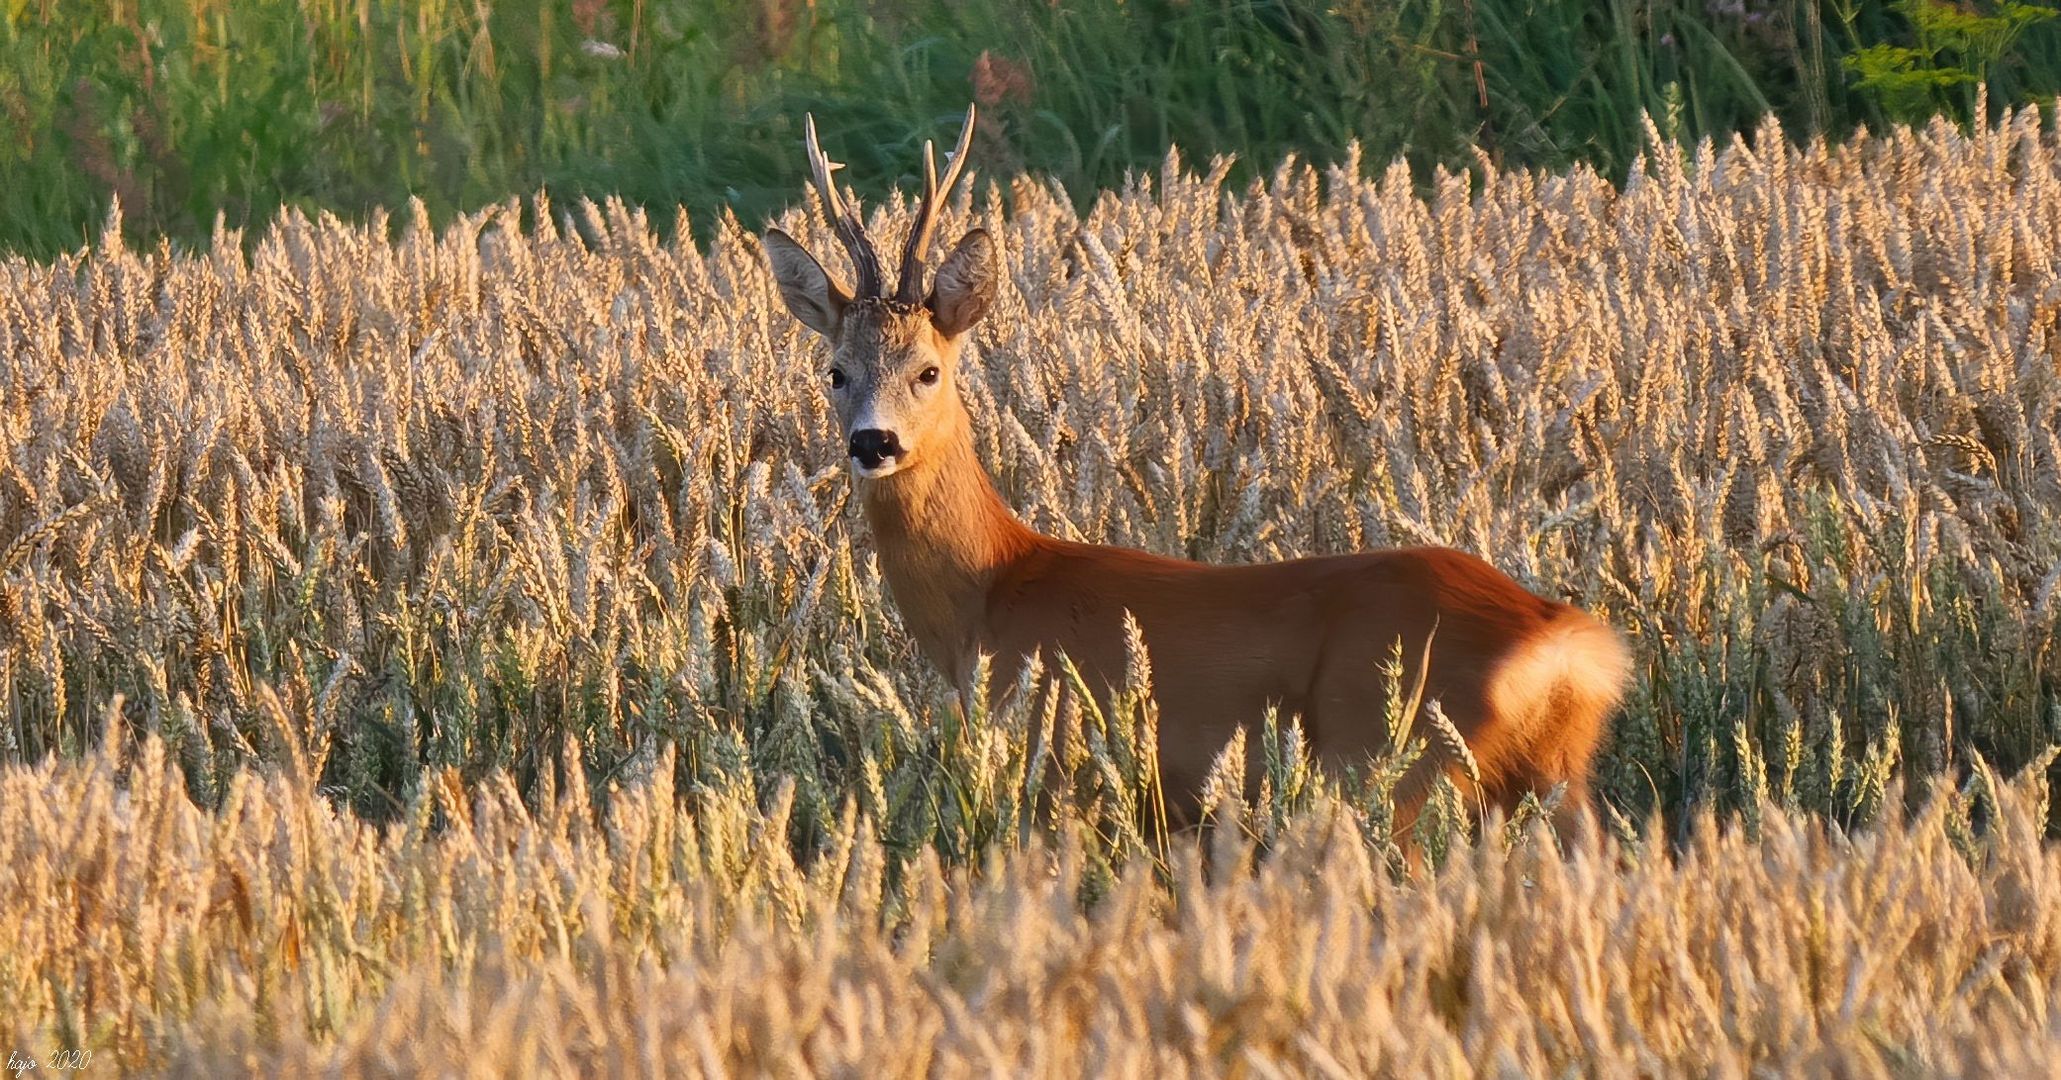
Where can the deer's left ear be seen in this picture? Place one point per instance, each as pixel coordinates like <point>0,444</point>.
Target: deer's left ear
<point>965,285</point>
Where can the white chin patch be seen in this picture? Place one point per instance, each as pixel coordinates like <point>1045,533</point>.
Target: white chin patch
<point>885,468</point>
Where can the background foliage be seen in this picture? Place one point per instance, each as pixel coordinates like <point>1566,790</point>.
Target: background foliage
<point>190,109</point>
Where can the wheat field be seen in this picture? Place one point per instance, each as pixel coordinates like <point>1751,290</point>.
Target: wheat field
<point>324,553</point>
<point>480,937</point>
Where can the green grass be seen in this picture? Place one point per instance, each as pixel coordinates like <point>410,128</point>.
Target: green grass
<point>194,109</point>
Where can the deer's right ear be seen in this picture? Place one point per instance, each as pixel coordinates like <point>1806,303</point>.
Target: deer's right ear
<point>812,295</point>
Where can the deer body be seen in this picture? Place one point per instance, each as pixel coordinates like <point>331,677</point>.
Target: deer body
<point>1529,683</point>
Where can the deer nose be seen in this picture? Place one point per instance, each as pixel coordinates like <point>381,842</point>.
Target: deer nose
<point>872,446</point>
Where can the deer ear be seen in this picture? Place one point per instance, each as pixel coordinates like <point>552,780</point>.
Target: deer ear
<point>965,285</point>
<point>812,295</point>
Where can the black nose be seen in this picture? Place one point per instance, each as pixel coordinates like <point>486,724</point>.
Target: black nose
<point>874,446</point>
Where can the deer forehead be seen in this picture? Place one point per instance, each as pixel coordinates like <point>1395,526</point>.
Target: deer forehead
<point>881,336</point>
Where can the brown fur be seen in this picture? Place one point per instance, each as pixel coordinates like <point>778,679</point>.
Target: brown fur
<point>1530,683</point>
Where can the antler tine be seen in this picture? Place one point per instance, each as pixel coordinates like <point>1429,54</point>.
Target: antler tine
<point>843,219</point>
<point>935,192</point>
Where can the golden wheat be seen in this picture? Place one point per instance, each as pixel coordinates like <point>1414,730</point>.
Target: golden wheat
<point>480,937</point>
<point>545,510</point>
<point>1788,414</point>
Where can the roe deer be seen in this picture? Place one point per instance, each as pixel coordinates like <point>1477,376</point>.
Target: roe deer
<point>1529,683</point>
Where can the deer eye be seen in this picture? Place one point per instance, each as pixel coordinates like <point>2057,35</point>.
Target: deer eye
<point>836,379</point>
<point>929,376</point>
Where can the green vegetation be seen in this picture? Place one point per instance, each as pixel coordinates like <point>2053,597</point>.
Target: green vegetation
<point>190,109</point>
<point>1954,47</point>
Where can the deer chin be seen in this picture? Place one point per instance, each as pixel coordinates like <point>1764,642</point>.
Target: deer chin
<point>882,471</point>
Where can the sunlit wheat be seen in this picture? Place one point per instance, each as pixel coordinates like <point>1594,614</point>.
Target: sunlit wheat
<point>550,513</point>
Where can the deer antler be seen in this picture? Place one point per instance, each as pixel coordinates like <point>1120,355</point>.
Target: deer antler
<point>843,218</point>
<point>935,192</point>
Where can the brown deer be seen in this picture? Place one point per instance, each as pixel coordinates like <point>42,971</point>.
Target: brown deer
<point>1529,683</point>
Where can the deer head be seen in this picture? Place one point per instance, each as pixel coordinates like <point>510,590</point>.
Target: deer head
<point>892,356</point>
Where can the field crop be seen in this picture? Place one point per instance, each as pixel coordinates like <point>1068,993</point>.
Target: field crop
<point>326,530</point>
<point>484,938</point>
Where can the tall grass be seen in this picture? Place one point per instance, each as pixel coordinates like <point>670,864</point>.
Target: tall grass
<point>1789,416</point>
<point>190,109</point>
<point>483,936</point>
<point>450,649</point>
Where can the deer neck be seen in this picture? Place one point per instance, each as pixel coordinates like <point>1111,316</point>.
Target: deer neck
<point>944,534</point>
